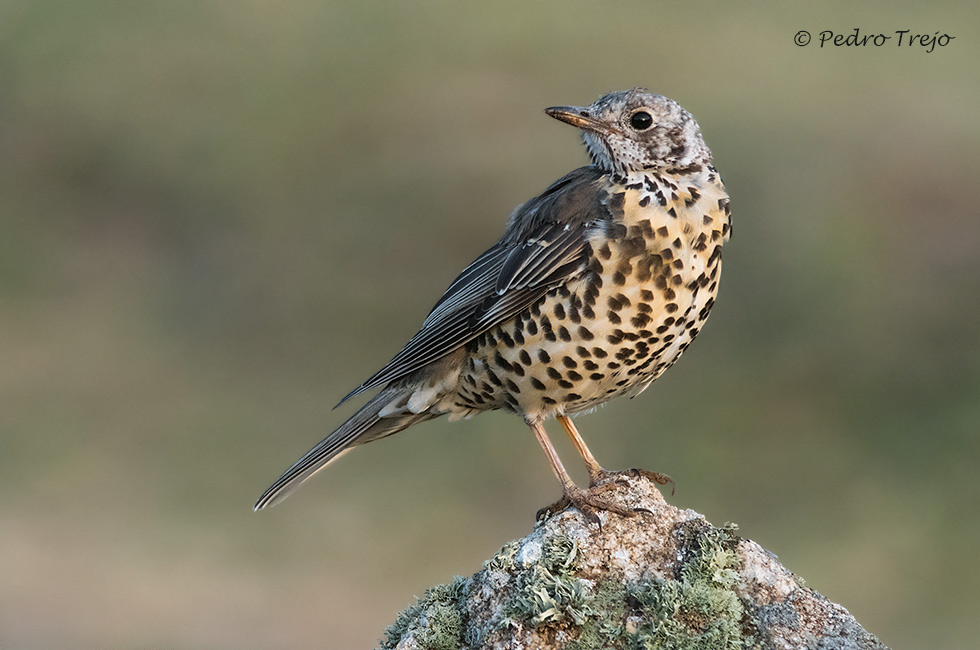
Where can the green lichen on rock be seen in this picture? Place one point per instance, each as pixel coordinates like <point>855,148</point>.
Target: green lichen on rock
<point>699,609</point>
<point>696,608</point>
<point>547,591</point>
<point>605,627</point>
<point>437,620</point>
<point>504,559</point>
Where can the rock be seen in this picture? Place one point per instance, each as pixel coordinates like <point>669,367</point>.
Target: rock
<point>665,578</point>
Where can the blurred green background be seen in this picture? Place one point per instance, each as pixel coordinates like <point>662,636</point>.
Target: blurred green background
<point>217,218</point>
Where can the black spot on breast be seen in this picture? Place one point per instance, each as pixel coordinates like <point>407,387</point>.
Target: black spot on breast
<point>525,357</point>
<point>604,251</point>
<point>618,279</point>
<point>613,317</point>
<point>645,201</point>
<point>640,320</point>
<point>559,311</point>
<point>569,362</point>
<point>591,293</point>
<point>596,376</point>
<point>585,334</point>
<point>564,383</point>
<point>715,254</point>
<point>574,376</point>
<point>535,382</point>
<point>617,200</point>
<point>599,353</point>
<point>588,364</point>
<point>646,294</point>
<point>543,356</point>
<point>583,352</point>
<point>517,369</point>
<point>624,353</point>
<point>532,328</point>
<point>492,376</point>
<point>644,308</point>
<point>615,231</point>
<point>553,373</point>
<point>564,334</point>
<point>633,246</point>
<point>663,231</point>
<point>671,307</point>
<point>501,362</point>
<point>547,400</point>
<point>513,387</point>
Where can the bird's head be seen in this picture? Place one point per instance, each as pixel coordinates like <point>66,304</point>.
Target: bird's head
<point>636,130</point>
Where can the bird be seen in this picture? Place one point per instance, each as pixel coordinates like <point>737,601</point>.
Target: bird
<point>597,286</point>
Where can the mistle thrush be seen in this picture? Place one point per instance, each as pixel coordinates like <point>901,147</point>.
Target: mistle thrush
<point>597,286</point>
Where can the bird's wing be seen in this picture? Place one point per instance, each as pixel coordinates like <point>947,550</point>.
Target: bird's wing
<point>542,249</point>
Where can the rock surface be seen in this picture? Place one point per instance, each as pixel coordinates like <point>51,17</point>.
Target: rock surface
<point>665,578</point>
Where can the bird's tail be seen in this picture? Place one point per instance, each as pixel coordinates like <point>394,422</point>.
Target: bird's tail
<point>373,421</point>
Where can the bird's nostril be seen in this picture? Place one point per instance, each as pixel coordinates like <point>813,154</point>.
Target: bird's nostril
<point>584,113</point>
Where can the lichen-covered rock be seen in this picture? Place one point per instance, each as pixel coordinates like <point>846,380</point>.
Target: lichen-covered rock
<point>665,578</point>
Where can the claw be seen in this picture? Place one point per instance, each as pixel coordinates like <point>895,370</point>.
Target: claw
<point>587,503</point>
<point>656,477</point>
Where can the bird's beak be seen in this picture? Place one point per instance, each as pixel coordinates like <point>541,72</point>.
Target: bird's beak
<point>578,116</point>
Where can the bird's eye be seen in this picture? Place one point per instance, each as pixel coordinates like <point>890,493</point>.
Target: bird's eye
<point>641,121</point>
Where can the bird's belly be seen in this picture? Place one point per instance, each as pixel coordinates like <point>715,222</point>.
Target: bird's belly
<point>609,333</point>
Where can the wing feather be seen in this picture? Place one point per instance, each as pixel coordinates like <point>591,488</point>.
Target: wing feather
<point>546,244</point>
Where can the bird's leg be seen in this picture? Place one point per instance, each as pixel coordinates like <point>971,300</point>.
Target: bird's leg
<point>596,472</point>
<point>585,502</point>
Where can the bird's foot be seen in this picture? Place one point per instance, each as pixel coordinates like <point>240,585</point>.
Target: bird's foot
<point>605,480</point>
<point>589,504</point>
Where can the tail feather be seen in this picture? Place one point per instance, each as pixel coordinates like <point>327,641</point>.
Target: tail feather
<point>364,426</point>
